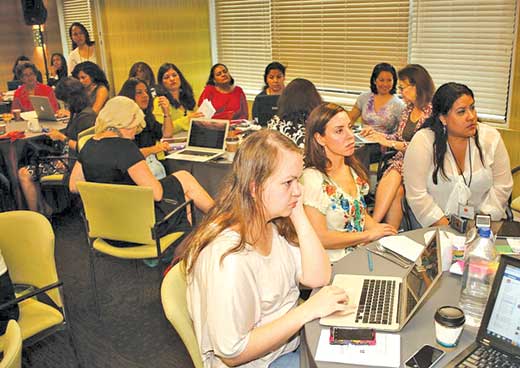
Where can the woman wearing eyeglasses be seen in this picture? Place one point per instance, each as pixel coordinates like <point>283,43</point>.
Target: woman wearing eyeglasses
<point>417,88</point>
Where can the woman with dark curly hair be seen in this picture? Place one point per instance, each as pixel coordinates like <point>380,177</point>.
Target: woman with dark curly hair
<point>95,83</point>
<point>174,104</point>
<point>83,48</point>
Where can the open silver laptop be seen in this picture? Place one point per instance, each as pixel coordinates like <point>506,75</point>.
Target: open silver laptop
<point>387,303</point>
<point>206,140</point>
<point>42,107</point>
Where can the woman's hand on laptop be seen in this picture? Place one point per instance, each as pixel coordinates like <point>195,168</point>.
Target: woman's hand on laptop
<point>328,300</point>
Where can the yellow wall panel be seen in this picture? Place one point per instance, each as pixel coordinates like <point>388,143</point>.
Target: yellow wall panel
<point>157,31</point>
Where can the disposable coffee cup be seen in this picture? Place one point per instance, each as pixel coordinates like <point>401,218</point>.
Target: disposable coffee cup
<point>17,114</point>
<point>449,323</point>
<point>231,147</point>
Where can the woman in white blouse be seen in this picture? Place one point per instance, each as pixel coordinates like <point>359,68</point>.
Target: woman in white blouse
<point>246,259</point>
<point>456,165</point>
<point>83,48</point>
<point>335,182</point>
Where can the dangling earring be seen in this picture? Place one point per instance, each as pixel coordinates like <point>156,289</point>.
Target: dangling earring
<point>443,129</point>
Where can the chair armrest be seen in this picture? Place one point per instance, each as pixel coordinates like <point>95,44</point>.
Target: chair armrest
<point>181,206</point>
<point>383,161</point>
<point>31,294</point>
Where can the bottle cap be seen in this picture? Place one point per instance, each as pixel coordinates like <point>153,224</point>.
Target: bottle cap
<point>484,232</point>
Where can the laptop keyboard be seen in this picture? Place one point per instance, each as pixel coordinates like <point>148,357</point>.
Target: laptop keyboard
<point>197,153</point>
<point>375,302</point>
<point>485,356</point>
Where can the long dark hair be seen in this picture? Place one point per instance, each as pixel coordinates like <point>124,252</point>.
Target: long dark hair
<point>64,70</point>
<point>211,77</point>
<point>186,98</point>
<point>297,100</point>
<point>146,69</point>
<point>315,155</point>
<point>93,71</point>
<point>442,102</point>
<point>128,90</point>
<point>72,92</point>
<point>383,67</point>
<point>88,41</point>
<point>275,65</point>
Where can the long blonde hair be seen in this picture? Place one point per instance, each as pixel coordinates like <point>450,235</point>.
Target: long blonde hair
<point>237,205</point>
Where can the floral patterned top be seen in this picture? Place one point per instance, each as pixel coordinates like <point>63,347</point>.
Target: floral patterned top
<point>292,130</point>
<point>386,119</point>
<point>342,211</point>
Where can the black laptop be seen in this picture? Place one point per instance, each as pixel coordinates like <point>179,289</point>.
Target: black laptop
<point>498,339</point>
<point>265,107</point>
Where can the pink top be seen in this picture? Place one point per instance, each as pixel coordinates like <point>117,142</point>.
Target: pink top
<point>231,105</point>
<point>21,97</point>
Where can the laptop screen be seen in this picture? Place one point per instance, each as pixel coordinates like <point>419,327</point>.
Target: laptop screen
<point>421,278</point>
<point>504,322</point>
<point>207,134</point>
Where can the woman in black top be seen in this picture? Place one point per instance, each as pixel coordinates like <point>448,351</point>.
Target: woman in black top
<point>149,138</point>
<point>59,69</point>
<point>112,157</point>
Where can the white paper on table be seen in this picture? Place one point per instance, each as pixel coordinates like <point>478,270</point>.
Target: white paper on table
<point>385,353</point>
<point>403,245</point>
<point>29,115</point>
<point>514,243</point>
<point>206,107</point>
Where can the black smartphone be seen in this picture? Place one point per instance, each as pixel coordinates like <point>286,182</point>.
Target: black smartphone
<point>359,336</point>
<point>425,357</point>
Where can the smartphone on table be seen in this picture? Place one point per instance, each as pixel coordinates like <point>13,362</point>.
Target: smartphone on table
<point>352,336</point>
<point>425,357</point>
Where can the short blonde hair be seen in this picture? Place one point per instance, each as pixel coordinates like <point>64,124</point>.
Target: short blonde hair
<point>120,112</point>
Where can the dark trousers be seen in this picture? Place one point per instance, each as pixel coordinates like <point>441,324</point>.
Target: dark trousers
<point>6,295</point>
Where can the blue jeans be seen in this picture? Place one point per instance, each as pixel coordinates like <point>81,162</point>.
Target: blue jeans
<point>289,360</point>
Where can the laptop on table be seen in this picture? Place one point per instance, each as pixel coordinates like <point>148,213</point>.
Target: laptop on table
<point>498,338</point>
<point>387,303</point>
<point>206,140</point>
<point>266,106</point>
<point>44,111</point>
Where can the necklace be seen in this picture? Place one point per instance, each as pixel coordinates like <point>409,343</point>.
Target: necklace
<point>461,172</point>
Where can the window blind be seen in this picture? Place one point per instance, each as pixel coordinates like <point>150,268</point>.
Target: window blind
<point>77,11</point>
<point>243,30</point>
<point>336,43</point>
<point>470,42</point>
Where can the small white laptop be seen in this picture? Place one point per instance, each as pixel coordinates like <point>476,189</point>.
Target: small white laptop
<point>387,303</point>
<point>206,140</point>
<point>42,107</point>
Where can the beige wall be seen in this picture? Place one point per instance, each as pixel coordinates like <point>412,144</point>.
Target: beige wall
<point>16,37</point>
<point>157,31</point>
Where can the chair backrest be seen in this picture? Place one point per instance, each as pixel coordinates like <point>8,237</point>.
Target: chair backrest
<point>27,245</point>
<point>173,298</point>
<point>409,219</point>
<point>83,139</point>
<point>118,212</point>
<point>88,131</point>
<point>12,346</point>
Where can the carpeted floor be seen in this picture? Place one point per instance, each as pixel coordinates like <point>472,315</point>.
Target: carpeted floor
<point>131,331</point>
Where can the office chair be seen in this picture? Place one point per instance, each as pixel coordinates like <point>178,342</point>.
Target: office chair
<point>13,346</point>
<point>27,245</point>
<point>124,213</point>
<point>513,203</point>
<point>173,298</point>
<point>409,221</point>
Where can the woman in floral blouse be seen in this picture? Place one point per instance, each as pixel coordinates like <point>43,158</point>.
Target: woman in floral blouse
<point>334,184</point>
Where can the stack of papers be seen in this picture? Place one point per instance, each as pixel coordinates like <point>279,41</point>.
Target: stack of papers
<point>403,245</point>
<point>385,353</point>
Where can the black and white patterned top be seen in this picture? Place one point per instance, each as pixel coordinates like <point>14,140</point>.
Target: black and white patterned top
<point>293,130</point>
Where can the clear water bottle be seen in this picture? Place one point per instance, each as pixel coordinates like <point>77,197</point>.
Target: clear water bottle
<point>480,265</point>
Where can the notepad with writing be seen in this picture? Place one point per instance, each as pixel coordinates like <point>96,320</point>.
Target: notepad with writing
<point>385,353</point>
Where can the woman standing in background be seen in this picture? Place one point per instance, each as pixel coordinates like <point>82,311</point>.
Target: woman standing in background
<point>83,49</point>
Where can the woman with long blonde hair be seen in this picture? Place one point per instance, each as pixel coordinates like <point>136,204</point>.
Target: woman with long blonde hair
<point>246,259</point>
